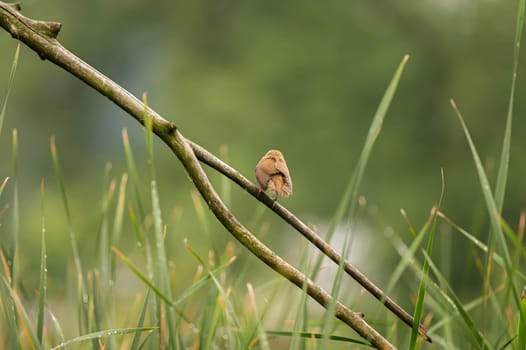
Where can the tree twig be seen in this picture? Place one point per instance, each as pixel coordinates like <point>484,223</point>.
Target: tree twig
<point>41,37</point>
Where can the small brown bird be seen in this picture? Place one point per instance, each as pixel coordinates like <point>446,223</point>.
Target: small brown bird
<point>272,173</point>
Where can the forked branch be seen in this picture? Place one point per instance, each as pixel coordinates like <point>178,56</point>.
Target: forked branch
<point>41,37</point>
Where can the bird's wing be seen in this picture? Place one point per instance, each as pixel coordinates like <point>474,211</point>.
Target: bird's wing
<point>262,172</point>
<point>282,168</point>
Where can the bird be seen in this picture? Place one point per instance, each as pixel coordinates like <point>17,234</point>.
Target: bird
<point>272,173</point>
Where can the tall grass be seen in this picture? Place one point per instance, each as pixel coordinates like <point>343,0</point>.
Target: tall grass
<point>210,310</point>
<point>9,87</point>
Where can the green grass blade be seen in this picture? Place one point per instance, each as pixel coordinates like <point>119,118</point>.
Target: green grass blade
<point>211,326</point>
<point>59,334</point>
<point>521,328</point>
<point>60,183</point>
<point>329,318</point>
<point>374,131</point>
<point>506,144</point>
<point>516,242</point>
<point>82,294</point>
<point>349,198</point>
<point>493,212</point>
<point>14,232</point>
<point>137,221</point>
<point>301,314</point>
<point>136,226</point>
<point>43,272</point>
<point>23,317</point>
<point>137,216</point>
<point>103,239</point>
<point>407,255</point>
<point>185,295</point>
<point>253,339</point>
<point>99,314</point>
<point>141,276</point>
<point>497,258</point>
<point>203,281</point>
<point>2,185</point>
<point>94,324</point>
<point>9,310</point>
<point>140,323</point>
<point>444,306</point>
<point>161,263</point>
<point>102,334</point>
<point>118,219</point>
<point>262,335</point>
<point>116,232</point>
<point>482,342</point>
<point>447,317</point>
<point>132,171</point>
<point>425,271</point>
<point>163,278</point>
<point>9,86</point>
<point>348,201</point>
<point>230,315</point>
<point>502,176</point>
<point>300,320</point>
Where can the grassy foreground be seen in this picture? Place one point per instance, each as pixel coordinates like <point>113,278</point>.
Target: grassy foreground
<point>133,297</point>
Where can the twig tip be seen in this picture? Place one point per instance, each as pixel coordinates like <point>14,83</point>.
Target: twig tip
<point>125,138</point>
<point>15,6</point>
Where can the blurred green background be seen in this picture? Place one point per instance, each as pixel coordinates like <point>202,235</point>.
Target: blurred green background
<point>304,77</point>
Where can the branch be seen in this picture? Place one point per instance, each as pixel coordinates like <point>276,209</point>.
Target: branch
<point>41,37</point>
<point>214,162</point>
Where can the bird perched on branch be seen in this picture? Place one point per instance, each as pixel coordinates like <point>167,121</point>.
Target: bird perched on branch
<point>272,174</point>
